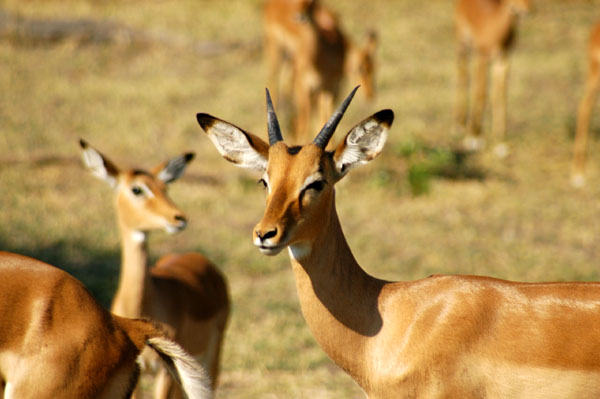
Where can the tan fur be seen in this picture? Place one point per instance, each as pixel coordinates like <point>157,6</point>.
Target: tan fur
<point>308,35</point>
<point>488,28</point>
<point>439,337</point>
<point>585,107</point>
<point>56,341</point>
<point>184,292</point>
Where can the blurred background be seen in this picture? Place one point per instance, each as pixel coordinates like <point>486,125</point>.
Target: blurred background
<point>132,87</point>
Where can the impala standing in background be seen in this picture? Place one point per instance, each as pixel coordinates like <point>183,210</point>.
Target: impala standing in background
<point>307,34</point>
<point>585,108</point>
<point>184,292</point>
<point>487,27</point>
<point>439,337</point>
<point>56,341</point>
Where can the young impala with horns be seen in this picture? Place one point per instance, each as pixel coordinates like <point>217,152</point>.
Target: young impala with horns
<point>440,337</point>
<point>184,292</point>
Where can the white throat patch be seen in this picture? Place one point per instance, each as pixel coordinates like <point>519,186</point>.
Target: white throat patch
<point>138,236</point>
<point>299,251</point>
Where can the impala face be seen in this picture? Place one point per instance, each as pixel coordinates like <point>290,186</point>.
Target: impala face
<point>142,201</point>
<point>299,180</point>
<point>299,183</point>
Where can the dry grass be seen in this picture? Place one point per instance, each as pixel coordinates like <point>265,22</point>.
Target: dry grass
<point>521,221</point>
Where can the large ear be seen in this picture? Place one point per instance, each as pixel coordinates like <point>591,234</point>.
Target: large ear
<point>363,143</point>
<point>172,170</point>
<point>98,164</point>
<point>235,145</point>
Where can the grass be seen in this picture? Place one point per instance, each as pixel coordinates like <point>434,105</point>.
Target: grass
<point>516,218</point>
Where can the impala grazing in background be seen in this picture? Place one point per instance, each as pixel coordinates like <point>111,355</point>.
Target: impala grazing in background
<point>487,27</point>
<point>56,341</point>
<point>585,108</point>
<point>183,292</point>
<point>439,337</point>
<point>307,34</point>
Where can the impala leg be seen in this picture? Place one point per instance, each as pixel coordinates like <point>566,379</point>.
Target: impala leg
<point>273,58</point>
<point>583,124</point>
<point>214,350</point>
<point>137,392</point>
<point>500,69</point>
<point>303,106</point>
<point>164,387</point>
<point>462,89</point>
<point>325,104</point>
<point>474,140</point>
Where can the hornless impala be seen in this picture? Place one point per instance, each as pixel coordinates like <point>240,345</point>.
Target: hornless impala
<point>56,341</point>
<point>488,27</point>
<point>585,108</point>
<point>439,337</point>
<point>307,34</point>
<point>184,292</point>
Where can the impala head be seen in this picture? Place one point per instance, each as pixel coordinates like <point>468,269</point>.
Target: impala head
<point>361,64</point>
<point>299,180</point>
<point>141,196</point>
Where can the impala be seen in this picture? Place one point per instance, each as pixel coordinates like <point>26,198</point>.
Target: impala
<point>308,34</point>
<point>439,337</point>
<point>585,108</point>
<point>184,292</point>
<point>56,341</point>
<point>488,27</point>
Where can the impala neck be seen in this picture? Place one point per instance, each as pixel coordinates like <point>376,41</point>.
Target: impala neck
<point>339,299</point>
<point>135,282</point>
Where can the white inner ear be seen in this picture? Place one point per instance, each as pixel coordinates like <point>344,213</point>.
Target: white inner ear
<point>233,144</point>
<point>95,163</point>
<point>363,144</point>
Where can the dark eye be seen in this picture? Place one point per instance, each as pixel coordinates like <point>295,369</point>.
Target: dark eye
<point>137,191</point>
<point>262,182</point>
<point>316,185</point>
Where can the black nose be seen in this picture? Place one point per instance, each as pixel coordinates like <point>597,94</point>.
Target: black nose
<point>263,236</point>
<point>180,218</point>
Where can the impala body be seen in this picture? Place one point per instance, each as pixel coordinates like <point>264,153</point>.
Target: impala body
<point>585,108</point>
<point>184,292</point>
<point>488,28</point>
<point>308,35</point>
<point>439,337</point>
<point>56,341</point>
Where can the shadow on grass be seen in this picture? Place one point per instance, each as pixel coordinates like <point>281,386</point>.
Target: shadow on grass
<point>427,162</point>
<point>98,270</point>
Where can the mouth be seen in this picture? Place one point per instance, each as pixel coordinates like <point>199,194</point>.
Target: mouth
<point>175,228</point>
<point>270,250</point>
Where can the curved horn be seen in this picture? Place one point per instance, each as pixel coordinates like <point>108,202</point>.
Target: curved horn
<point>272,122</point>
<point>327,131</point>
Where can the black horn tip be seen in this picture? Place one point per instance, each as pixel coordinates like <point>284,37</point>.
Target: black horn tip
<point>189,156</point>
<point>83,144</point>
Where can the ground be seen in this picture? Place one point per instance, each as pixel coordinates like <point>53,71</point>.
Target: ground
<point>412,212</point>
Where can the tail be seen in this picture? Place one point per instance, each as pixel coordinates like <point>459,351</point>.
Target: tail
<point>183,367</point>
